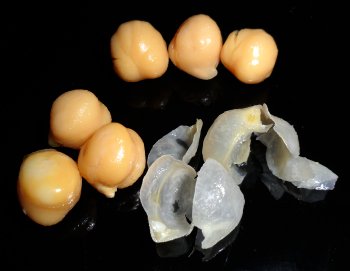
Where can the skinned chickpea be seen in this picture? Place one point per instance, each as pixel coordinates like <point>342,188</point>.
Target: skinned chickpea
<point>75,116</point>
<point>49,186</point>
<point>195,48</point>
<point>250,55</point>
<point>114,157</point>
<point>139,51</point>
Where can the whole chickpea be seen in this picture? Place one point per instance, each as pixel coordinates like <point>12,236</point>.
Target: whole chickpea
<point>138,51</point>
<point>49,186</point>
<point>75,116</point>
<point>250,55</point>
<point>114,157</point>
<point>195,48</point>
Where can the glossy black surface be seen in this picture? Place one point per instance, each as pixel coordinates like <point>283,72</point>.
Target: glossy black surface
<point>54,48</point>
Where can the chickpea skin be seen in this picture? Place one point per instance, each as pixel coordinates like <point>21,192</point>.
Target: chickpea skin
<point>114,157</point>
<point>250,55</point>
<point>138,51</point>
<point>49,186</point>
<point>75,116</point>
<point>195,48</point>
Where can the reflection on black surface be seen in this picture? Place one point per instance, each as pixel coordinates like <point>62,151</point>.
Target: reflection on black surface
<point>126,200</point>
<point>224,244</point>
<point>84,216</point>
<point>277,187</point>
<point>197,92</point>
<point>187,90</point>
<point>175,248</point>
<point>188,245</point>
<point>81,220</point>
<point>157,98</point>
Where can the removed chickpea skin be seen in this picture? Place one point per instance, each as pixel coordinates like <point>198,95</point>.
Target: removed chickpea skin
<point>75,116</point>
<point>114,157</point>
<point>195,48</point>
<point>49,186</point>
<point>138,51</point>
<point>250,55</point>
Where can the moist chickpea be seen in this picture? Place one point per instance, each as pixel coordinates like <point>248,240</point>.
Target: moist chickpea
<point>75,116</point>
<point>250,55</point>
<point>49,186</point>
<point>195,48</point>
<point>114,157</point>
<point>138,51</point>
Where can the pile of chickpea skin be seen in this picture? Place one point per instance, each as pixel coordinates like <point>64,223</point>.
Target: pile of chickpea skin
<point>112,156</point>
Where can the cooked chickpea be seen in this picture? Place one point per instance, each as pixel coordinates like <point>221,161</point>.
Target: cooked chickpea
<point>250,55</point>
<point>75,116</point>
<point>49,186</point>
<point>195,48</point>
<point>139,51</point>
<point>114,157</point>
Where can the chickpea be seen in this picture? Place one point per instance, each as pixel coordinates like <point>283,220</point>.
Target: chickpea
<point>139,51</point>
<point>75,116</point>
<point>195,48</point>
<point>140,161</point>
<point>49,186</point>
<point>250,55</point>
<point>114,157</point>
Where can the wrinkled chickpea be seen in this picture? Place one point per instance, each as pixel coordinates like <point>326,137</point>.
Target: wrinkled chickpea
<point>139,51</point>
<point>75,116</point>
<point>195,48</point>
<point>49,186</point>
<point>114,157</point>
<point>250,55</point>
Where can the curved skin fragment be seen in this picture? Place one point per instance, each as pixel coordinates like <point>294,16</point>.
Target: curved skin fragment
<point>228,138</point>
<point>217,203</point>
<point>166,195</point>
<point>300,171</point>
<point>285,131</point>
<point>282,156</point>
<point>181,143</point>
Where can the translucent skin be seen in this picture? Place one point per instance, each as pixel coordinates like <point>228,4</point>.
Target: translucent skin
<point>114,157</point>
<point>139,51</point>
<point>250,55</point>
<point>196,46</point>
<point>75,116</point>
<point>49,186</point>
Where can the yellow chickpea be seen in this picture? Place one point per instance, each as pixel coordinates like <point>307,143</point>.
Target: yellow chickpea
<point>114,157</point>
<point>49,186</point>
<point>195,48</point>
<point>250,55</point>
<point>138,51</point>
<point>75,116</point>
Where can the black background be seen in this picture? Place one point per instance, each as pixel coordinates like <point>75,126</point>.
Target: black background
<point>55,47</point>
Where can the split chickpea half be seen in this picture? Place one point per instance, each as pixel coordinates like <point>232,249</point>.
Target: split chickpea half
<point>114,157</point>
<point>49,186</point>
<point>75,116</point>
<point>250,55</point>
<point>138,51</point>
